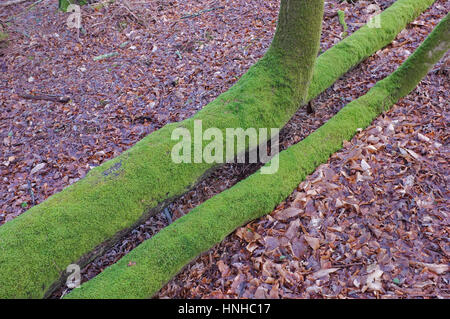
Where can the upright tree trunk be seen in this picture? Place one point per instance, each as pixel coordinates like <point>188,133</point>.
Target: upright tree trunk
<point>297,40</point>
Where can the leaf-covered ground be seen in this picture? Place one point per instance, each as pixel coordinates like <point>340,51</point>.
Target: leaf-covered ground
<point>381,225</point>
<point>372,222</point>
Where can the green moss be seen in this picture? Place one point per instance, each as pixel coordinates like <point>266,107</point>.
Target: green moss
<point>341,15</point>
<point>3,36</point>
<point>157,260</point>
<point>37,246</point>
<point>298,43</point>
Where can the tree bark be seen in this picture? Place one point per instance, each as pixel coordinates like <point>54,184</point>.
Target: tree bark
<point>297,40</point>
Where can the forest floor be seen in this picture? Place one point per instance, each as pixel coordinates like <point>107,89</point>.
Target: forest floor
<point>374,220</point>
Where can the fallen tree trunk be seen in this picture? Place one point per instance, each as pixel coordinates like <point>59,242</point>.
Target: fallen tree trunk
<point>46,97</point>
<point>158,259</point>
<point>77,224</point>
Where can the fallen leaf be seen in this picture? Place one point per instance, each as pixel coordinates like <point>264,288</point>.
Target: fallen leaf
<point>364,165</point>
<point>223,268</point>
<point>423,138</point>
<point>436,268</point>
<point>298,247</point>
<point>287,213</point>
<point>260,293</point>
<point>37,168</point>
<point>373,281</point>
<point>323,272</point>
<point>313,242</point>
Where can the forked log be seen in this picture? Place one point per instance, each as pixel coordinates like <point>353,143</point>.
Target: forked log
<point>160,258</point>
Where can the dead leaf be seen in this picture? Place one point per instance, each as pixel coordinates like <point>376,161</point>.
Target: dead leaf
<point>313,242</point>
<point>287,213</point>
<point>260,293</point>
<point>323,272</point>
<point>364,165</point>
<point>223,268</point>
<point>37,168</point>
<point>436,268</point>
<point>373,281</point>
<point>298,248</point>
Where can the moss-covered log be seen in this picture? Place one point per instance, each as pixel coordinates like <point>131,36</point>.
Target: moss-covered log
<point>76,224</point>
<point>158,259</point>
<point>334,63</point>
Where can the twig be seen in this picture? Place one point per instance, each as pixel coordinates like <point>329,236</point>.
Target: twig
<point>347,265</point>
<point>105,56</point>
<point>30,189</point>
<point>9,3</point>
<point>168,215</point>
<point>46,97</point>
<point>201,12</point>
